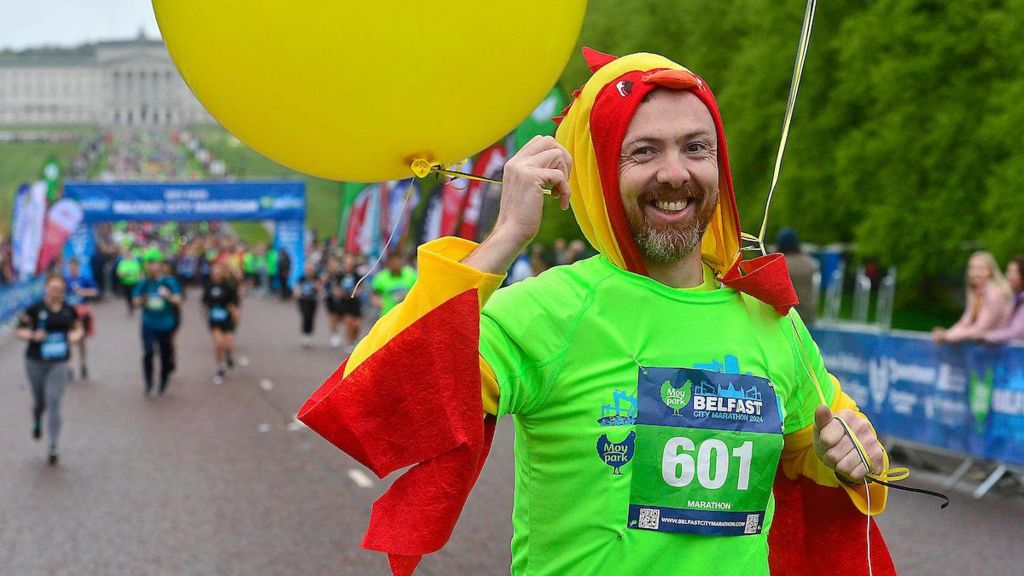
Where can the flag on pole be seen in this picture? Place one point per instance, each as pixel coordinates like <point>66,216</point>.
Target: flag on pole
<point>50,174</point>
<point>350,192</point>
<point>539,121</point>
<point>29,214</point>
<point>62,219</point>
<point>489,164</point>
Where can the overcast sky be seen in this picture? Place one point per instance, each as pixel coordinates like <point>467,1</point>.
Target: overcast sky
<point>32,23</point>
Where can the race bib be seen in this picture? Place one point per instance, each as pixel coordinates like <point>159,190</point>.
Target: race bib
<point>55,347</point>
<point>707,447</point>
<point>218,314</point>
<point>155,302</point>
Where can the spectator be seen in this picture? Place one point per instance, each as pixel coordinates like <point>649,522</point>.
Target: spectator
<point>802,271</point>
<point>1013,329</point>
<point>989,302</point>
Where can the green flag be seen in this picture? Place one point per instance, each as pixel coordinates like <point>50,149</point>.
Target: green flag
<point>51,175</point>
<point>349,192</point>
<point>539,121</point>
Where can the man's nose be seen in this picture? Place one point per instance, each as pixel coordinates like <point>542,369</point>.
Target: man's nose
<point>673,171</point>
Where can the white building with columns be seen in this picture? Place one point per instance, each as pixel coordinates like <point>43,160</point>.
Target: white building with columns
<point>119,83</point>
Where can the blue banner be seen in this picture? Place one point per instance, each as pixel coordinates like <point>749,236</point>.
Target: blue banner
<point>290,236</point>
<point>965,398</point>
<point>190,201</point>
<point>16,297</point>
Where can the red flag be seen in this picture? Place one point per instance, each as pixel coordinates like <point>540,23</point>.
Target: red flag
<point>489,164</point>
<point>62,219</point>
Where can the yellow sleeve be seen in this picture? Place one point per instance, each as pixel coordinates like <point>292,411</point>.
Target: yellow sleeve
<point>441,277</point>
<point>798,458</point>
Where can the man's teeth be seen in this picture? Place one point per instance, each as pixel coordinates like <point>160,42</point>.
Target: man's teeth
<point>672,206</point>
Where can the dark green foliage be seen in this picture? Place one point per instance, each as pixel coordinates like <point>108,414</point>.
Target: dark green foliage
<point>906,140</point>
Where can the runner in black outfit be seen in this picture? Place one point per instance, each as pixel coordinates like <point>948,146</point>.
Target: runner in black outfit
<point>50,326</point>
<point>220,300</point>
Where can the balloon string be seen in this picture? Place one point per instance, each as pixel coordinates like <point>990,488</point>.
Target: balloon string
<point>384,250</point>
<point>794,88</point>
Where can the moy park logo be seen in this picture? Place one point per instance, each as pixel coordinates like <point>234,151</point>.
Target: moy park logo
<point>676,398</point>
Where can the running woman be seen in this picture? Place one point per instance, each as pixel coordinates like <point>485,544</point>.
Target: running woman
<point>156,294</point>
<point>307,291</point>
<point>350,307</point>
<point>220,300</point>
<point>50,327</point>
<point>80,290</point>
<point>333,296</point>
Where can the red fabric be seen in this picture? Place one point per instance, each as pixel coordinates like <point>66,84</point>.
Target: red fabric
<point>817,531</point>
<point>415,402</point>
<point>765,278</point>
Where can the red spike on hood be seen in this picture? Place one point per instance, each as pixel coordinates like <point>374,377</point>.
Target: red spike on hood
<point>595,60</point>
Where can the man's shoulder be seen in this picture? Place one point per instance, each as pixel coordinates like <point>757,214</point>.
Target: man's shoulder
<point>560,287</point>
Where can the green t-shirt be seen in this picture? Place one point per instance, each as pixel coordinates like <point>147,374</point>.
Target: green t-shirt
<point>393,289</point>
<point>129,270</point>
<point>599,367</point>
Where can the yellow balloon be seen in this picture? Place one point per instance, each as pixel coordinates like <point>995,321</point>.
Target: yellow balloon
<point>358,90</point>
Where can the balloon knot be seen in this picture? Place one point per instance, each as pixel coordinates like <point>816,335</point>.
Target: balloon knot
<point>421,167</point>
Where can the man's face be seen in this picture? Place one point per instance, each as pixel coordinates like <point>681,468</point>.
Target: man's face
<point>668,174</point>
<point>395,263</point>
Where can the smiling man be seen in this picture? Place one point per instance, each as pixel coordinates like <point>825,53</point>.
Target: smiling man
<point>653,405</point>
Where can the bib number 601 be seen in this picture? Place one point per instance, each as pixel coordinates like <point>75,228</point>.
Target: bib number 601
<point>678,467</point>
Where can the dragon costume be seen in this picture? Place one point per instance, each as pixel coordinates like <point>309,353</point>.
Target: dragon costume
<point>660,430</point>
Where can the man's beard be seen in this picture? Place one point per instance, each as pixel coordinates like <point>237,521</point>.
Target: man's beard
<point>672,243</point>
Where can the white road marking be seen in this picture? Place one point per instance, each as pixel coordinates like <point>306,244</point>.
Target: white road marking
<point>243,361</point>
<point>266,384</point>
<point>264,427</point>
<point>296,424</point>
<point>360,478</point>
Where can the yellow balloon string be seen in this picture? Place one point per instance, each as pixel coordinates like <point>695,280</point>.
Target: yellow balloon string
<point>422,168</point>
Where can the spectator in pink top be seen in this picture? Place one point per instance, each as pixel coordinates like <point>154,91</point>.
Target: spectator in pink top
<point>1014,328</point>
<point>989,302</point>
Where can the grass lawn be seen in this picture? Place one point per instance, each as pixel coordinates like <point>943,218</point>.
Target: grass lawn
<point>22,161</point>
<point>323,197</point>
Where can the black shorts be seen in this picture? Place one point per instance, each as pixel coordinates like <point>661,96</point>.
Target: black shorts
<point>345,306</point>
<point>227,326</point>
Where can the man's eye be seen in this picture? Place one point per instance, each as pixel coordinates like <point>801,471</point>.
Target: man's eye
<point>696,147</point>
<point>643,152</point>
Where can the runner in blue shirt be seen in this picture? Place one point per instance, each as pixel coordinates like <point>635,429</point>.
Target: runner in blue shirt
<point>157,295</point>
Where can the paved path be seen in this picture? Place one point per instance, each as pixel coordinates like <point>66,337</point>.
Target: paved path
<point>214,480</point>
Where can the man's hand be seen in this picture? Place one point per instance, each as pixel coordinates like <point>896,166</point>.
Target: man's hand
<point>540,165</point>
<point>837,451</point>
<point>39,335</point>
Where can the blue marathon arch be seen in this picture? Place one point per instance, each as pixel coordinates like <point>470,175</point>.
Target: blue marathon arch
<point>282,201</point>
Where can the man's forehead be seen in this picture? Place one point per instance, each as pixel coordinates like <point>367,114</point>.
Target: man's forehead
<point>670,114</point>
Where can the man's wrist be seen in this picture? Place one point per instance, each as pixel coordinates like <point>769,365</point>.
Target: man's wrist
<point>497,252</point>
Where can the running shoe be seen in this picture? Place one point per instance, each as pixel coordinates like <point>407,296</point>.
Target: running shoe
<point>52,458</point>
<point>37,429</point>
<point>336,341</point>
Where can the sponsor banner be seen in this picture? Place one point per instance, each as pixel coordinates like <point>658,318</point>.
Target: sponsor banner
<point>16,297</point>
<point>28,215</point>
<point>190,201</point>
<point>290,236</point>
<point>965,398</point>
<point>62,219</point>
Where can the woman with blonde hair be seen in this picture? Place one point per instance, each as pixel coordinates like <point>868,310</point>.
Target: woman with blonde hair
<point>1013,329</point>
<point>989,301</point>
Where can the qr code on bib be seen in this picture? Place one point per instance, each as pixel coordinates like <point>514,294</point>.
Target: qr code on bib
<point>650,518</point>
<point>753,524</point>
